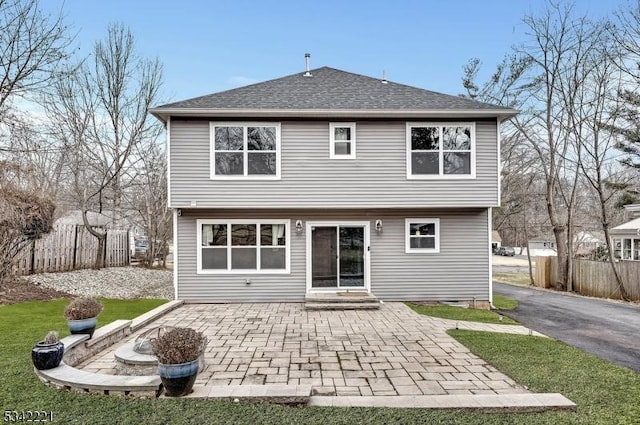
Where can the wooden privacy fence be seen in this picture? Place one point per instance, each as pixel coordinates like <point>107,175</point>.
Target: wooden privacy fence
<point>71,247</point>
<point>541,272</point>
<point>545,271</point>
<point>593,278</point>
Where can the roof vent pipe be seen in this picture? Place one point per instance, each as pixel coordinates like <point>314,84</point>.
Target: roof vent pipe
<point>384,77</point>
<point>307,60</point>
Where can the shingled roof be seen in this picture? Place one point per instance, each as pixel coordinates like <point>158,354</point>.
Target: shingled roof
<point>330,92</point>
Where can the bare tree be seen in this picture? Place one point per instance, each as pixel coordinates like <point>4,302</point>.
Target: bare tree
<point>100,114</point>
<point>627,35</point>
<point>126,86</point>
<point>543,77</point>
<point>28,144</point>
<point>559,53</point>
<point>32,45</point>
<point>71,106</point>
<point>596,110</point>
<point>149,199</point>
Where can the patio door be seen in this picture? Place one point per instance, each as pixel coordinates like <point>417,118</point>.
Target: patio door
<point>338,256</point>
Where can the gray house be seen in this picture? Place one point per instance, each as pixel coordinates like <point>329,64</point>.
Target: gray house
<point>328,181</point>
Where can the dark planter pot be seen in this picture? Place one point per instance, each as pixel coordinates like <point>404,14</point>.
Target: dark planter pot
<point>83,326</point>
<point>47,356</point>
<point>178,379</point>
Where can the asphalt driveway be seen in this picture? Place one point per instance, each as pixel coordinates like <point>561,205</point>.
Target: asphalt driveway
<point>609,330</point>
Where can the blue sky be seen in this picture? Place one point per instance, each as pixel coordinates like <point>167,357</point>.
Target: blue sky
<point>210,46</point>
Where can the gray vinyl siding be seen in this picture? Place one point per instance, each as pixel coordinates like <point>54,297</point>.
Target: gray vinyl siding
<point>460,272</point>
<point>377,178</point>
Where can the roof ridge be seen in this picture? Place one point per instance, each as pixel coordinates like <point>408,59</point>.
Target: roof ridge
<point>254,84</point>
<point>394,83</point>
<point>332,89</point>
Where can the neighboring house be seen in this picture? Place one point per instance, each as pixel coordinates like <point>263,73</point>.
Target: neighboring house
<point>496,240</point>
<point>625,238</point>
<point>74,218</point>
<point>542,243</point>
<point>103,220</point>
<point>585,242</point>
<point>543,246</point>
<point>326,181</point>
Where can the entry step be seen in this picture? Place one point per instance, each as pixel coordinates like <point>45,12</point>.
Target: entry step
<point>343,300</point>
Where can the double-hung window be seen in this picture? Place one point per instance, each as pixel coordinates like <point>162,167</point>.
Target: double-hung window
<point>243,246</point>
<point>245,150</point>
<point>440,150</point>
<point>342,140</point>
<point>422,235</point>
<point>627,248</point>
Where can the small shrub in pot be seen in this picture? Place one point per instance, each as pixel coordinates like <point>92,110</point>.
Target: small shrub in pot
<point>178,351</point>
<point>82,308</point>
<point>48,353</point>
<point>81,315</point>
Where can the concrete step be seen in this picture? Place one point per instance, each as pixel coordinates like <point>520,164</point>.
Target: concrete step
<point>70,378</point>
<point>342,306</point>
<point>342,297</point>
<point>342,300</point>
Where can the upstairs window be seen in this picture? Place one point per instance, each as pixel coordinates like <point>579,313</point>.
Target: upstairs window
<point>245,150</point>
<point>342,137</point>
<point>436,150</point>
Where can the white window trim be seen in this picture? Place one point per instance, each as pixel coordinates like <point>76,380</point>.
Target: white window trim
<point>407,236</point>
<point>441,175</point>
<point>332,134</point>
<point>245,152</point>
<point>621,239</point>
<point>229,271</point>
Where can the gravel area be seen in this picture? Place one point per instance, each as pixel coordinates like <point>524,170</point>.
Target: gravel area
<point>112,282</point>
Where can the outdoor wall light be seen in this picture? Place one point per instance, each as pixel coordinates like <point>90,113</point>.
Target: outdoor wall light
<point>378,226</point>
<point>299,226</point>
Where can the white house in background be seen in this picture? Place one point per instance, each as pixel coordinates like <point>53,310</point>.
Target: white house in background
<point>326,181</point>
<point>542,246</point>
<point>583,243</point>
<point>625,238</point>
<point>102,220</point>
<point>74,218</point>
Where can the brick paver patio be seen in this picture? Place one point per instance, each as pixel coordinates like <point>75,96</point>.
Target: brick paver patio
<point>388,352</point>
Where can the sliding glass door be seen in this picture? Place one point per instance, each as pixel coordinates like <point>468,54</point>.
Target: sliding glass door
<point>338,255</point>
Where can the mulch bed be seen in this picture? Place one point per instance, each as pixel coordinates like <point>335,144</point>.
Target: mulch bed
<point>16,290</point>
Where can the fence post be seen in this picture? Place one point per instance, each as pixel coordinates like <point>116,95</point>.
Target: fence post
<point>128,245</point>
<point>75,247</point>
<point>104,248</point>
<point>33,257</point>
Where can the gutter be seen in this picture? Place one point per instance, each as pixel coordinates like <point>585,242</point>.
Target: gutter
<point>163,113</point>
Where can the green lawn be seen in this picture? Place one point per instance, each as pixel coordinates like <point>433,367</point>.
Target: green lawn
<point>605,393</point>
<point>501,302</point>
<point>522,279</point>
<point>469,314</point>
